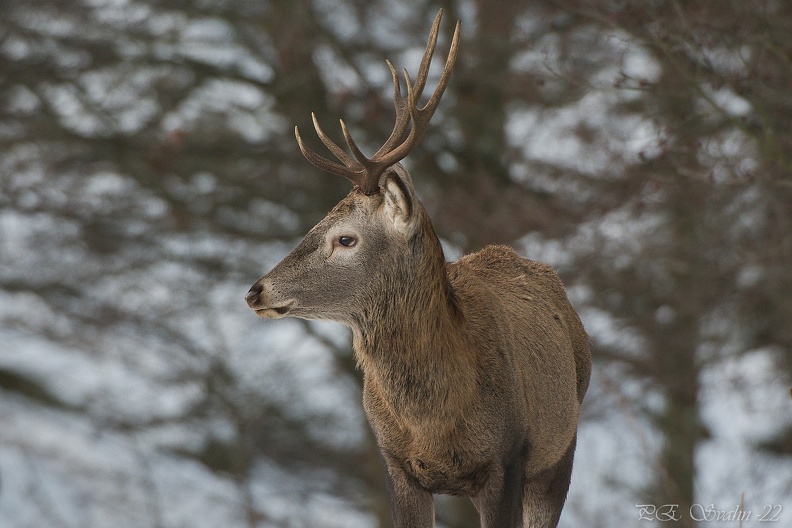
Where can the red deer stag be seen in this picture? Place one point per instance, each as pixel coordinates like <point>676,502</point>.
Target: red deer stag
<point>474,371</point>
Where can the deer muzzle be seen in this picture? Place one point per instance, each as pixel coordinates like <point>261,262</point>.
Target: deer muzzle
<point>265,304</point>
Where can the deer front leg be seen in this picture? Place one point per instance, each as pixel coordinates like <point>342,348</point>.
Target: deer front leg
<point>500,502</point>
<point>411,506</point>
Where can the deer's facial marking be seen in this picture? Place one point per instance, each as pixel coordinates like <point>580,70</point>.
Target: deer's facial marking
<point>344,236</point>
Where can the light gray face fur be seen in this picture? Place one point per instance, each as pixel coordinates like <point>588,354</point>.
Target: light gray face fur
<point>330,274</point>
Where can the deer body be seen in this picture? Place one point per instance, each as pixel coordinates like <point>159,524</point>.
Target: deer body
<point>474,371</point>
<point>476,381</point>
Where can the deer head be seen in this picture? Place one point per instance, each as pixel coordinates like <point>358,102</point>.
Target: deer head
<point>378,235</point>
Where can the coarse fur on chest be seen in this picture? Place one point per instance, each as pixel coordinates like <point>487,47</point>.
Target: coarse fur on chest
<point>462,382</point>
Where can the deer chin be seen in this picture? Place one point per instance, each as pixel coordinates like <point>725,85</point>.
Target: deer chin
<point>275,312</point>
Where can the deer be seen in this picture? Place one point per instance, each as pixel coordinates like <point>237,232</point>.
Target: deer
<point>473,371</point>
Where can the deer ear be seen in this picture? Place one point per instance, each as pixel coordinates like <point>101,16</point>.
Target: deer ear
<point>399,206</point>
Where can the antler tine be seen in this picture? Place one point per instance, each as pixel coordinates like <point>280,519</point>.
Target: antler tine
<point>363,161</point>
<point>337,151</point>
<point>400,103</point>
<point>424,114</point>
<point>426,60</point>
<point>350,170</point>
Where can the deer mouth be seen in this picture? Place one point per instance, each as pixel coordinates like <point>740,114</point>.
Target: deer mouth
<point>275,312</point>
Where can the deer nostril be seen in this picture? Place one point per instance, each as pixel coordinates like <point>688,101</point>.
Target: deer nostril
<point>253,294</point>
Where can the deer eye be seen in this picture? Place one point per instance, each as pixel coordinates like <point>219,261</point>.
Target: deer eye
<point>347,241</point>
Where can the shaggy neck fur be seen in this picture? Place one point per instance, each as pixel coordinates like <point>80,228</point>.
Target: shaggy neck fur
<point>402,339</point>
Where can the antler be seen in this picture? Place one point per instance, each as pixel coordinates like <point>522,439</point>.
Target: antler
<point>365,172</point>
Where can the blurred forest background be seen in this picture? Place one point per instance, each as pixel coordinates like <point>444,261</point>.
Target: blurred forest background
<point>149,175</point>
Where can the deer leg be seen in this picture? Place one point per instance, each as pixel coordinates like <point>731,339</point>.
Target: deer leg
<point>411,506</point>
<point>500,502</point>
<point>546,493</point>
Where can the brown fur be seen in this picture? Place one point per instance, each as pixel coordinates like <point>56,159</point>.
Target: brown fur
<point>474,371</point>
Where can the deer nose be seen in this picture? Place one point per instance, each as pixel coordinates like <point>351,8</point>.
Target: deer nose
<point>252,296</point>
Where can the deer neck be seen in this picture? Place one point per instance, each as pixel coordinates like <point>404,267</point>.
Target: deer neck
<point>413,317</point>
<point>414,359</point>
